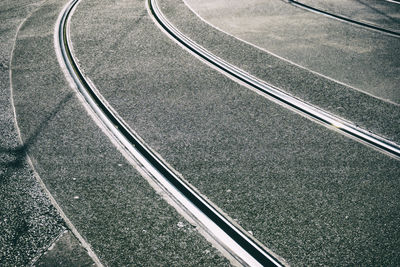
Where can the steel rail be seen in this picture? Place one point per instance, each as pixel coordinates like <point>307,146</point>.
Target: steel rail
<point>344,18</point>
<point>393,1</point>
<point>245,249</point>
<point>300,106</point>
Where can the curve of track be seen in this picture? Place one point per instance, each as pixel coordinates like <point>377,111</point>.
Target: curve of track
<point>245,249</point>
<point>344,18</point>
<point>299,106</point>
<point>393,1</point>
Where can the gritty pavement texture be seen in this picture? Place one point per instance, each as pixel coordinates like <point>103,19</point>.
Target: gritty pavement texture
<point>383,14</point>
<point>312,195</point>
<point>29,223</point>
<point>356,56</point>
<point>67,251</point>
<point>366,111</point>
<point>110,204</point>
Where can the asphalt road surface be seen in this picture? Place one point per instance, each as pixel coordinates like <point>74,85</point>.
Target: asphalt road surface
<point>308,193</point>
<point>350,54</point>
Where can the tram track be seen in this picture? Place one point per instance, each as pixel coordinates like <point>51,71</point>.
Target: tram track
<point>345,19</point>
<point>312,112</point>
<point>246,250</point>
<point>393,1</point>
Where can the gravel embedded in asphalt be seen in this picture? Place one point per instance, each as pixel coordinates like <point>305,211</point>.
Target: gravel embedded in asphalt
<point>359,57</point>
<point>309,193</point>
<point>281,37</point>
<point>28,221</point>
<point>66,252</point>
<point>111,205</point>
<point>383,14</point>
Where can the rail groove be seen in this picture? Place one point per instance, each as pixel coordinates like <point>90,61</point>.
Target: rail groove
<point>325,118</point>
<point>345,19</point>
<point>246,250</point>
<point>393,1</point>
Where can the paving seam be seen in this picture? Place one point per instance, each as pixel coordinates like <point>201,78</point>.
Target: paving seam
<point>50,245</point>
<point>307,110</point>
<point>188,198</point>
<point>115,79</point>
<point>285,59</point>
<point>27,158</point>
<point>67,222</point>
<point>344,19</point>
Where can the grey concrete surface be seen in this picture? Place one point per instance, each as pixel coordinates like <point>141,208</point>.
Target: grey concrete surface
<point>311,195</point>
<point>67,251</point>
<point>358,57</point>
<point>28,222</point>
<point>110,204</point>
<point>363,110</point>
<point>379,13</point>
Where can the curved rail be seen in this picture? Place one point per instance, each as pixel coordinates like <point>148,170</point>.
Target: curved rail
<point>345,19</point>
<point>303,108</point>
<point>393,1</point>
<point>241,246</point>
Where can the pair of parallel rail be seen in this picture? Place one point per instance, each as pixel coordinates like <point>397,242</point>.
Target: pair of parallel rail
<point>245,249</point>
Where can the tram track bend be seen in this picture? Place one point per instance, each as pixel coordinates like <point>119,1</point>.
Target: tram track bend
<point>393,1</point>
<point>240,245</point>
<point>303,108</point>
<point>344,18</point>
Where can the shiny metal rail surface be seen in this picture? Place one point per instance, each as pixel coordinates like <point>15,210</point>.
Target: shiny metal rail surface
<point>303,108</point>
<point>243,248</point>
<point>393,1</point>
<point>345,19</point>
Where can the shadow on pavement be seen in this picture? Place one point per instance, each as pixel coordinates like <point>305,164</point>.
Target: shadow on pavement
<point>378,11</point>
<point>13,158</point>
